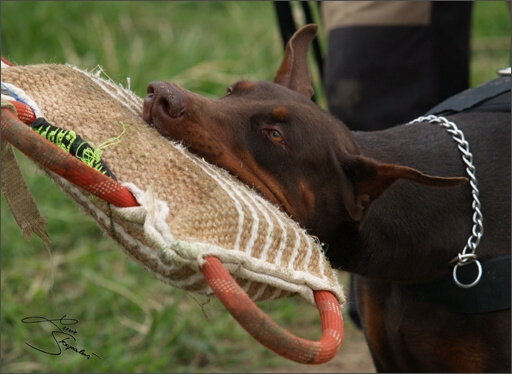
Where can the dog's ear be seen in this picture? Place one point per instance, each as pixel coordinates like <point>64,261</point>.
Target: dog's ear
<point>294,71</point>
<point>371,178</point>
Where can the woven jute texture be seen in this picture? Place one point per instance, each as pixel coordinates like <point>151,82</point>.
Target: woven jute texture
<point>189,208</point>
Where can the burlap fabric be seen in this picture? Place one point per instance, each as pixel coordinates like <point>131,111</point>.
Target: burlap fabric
<point>189,208</point>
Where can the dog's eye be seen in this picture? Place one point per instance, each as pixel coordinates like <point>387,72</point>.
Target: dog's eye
<point>275,136</point>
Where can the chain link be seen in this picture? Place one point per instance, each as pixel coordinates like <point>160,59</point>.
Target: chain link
<point>468,255</point>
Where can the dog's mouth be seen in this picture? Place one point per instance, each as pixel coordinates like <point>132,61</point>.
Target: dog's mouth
<point>163,105</point>
<point>165,109</point>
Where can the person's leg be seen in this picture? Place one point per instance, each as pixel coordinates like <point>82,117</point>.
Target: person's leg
<point>389,62</point>
<point>450,29</point>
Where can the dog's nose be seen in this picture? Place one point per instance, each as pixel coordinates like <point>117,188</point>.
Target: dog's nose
<point>165,96</point>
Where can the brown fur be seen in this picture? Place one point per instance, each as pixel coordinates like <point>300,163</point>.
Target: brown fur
<point>374,198</point>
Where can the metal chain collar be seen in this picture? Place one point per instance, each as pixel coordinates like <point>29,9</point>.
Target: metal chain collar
<point>468,255</point>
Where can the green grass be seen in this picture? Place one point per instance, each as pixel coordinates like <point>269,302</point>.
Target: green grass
<point>204,45</point>
<point>134,322</point>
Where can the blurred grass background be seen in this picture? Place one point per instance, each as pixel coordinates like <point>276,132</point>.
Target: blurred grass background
<point>134,322</point>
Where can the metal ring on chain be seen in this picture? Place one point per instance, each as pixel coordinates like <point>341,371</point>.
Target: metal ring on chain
<point>465,257</point>
<point>464,260</point>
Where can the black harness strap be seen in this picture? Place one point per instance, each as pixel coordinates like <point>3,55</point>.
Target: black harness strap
<point>492,96</point>
<point>492,293</point>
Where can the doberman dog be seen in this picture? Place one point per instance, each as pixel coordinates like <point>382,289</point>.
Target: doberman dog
<point>392,206</point>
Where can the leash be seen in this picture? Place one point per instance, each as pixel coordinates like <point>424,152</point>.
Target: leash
<point>287,27</point>
<point>468,255</point>
<point>232,296</point>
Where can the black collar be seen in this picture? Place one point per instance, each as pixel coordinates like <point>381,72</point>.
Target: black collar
<point>492,293</point>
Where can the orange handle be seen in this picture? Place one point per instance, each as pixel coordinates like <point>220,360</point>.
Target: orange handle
<point>55,159</point>
<point>236,300</point>
<point>266,331</point>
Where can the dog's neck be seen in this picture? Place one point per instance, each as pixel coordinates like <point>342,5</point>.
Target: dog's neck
<point>411,232</point>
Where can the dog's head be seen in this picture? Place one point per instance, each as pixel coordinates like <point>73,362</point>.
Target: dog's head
<point>274,138</point>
